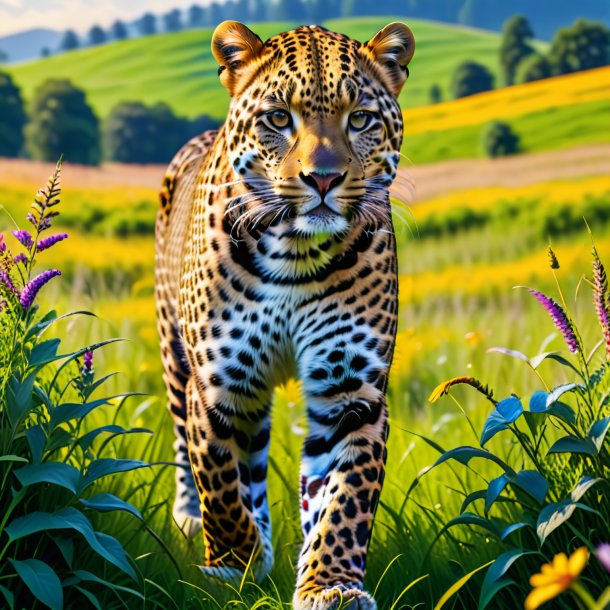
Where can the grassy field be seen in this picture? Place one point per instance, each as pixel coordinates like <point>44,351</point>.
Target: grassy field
<point>179,68</point>
<point>456,301</point>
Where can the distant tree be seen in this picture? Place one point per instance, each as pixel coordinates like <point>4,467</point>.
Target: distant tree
<point>259,10</point>
<point>147,24</point>
<point>216,14</point>
<point>196,16</point>
<point>470,78</point>
<point>583,46</point>
<point>69,41</point>
<point>436,94</point>
<point>515,46</point>
<point>12,117</point>
<point>173,20</point>
<point>3,56</point>
<point>499,139</point>
<point>45,52</point>
<point>244,10</point>
<point>135,133</point>
<point>61,122</point>
<point>118,30</point>
<point>532,68</point>
<point>97,35</point>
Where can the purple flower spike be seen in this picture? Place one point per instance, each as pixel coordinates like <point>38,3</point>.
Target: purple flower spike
<point>24,238</point>
<point>88,362</point>
<point>600,298</point>
<point>560,319</point>
<point>6,280</point>
<point>28,294</point>
<point>47,242</point>
<point>21,258</point>
<point>603,554</point>
<point>2,244</point>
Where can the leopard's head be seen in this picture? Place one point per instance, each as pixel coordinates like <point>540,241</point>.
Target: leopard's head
<point>314,128</point>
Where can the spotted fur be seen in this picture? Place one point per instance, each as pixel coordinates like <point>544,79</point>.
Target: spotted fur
<point>276,257</point>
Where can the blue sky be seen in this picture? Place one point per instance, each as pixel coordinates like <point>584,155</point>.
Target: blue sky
<point>80,15</point>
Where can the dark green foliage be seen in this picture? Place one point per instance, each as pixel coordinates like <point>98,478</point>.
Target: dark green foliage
<point>3,56</point>
<point>499,139</point>
<point>470,78</point>
<point>62,123</point>
<point>135,133</point>
<point>583,46</point>
<point>147,24</point>
<point>45,52</point>
<point>172,21</point>
<point>118,30</point>
<point>196,16</point>
<point>97,35</point>
<point>12,117</point>
<point>532,68</point>
<point>436,94</point>
<point>515,47</point>
<point>70,41</point>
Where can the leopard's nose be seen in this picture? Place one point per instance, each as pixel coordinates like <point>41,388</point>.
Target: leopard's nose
<point>323,182</point>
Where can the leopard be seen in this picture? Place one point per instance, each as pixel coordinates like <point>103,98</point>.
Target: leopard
<point>275,258</point>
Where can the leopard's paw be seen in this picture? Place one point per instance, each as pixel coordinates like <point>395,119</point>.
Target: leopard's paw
<point>334,598</point>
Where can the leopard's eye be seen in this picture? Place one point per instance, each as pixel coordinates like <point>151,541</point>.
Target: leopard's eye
<point>280,119</point>
<point>360,120</point>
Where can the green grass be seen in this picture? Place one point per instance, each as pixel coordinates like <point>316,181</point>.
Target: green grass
<point>179,68</point>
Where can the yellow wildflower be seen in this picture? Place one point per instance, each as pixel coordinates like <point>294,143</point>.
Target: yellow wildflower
<point>443,388</point>
<point>556,577</point>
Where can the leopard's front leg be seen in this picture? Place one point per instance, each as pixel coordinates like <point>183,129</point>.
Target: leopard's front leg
<point>341,477</point>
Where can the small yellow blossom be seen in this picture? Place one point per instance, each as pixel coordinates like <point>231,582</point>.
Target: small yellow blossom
<point>556,577</point>
<point>443,388</point>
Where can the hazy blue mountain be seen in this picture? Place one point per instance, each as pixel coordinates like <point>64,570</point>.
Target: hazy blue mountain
<point>29,43</point>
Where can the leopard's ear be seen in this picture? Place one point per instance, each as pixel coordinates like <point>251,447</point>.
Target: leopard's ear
<point>234,46</point>
<point>393,48</point>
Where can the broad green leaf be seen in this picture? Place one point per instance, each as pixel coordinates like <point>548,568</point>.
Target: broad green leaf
<point>472,497</point>
<point>562,411</point>
<point>106,502</point>
<point>92,599</point>
<point>510,409</point>
<point>559,391</point>
<point>458,585</point>
<point>495,488</point>
<point>531,482</point>
<point>19,399</point>
<point>69,411</point>
<point>495,423</point>
<point>471,519</point>
<point>41,580</point>
<point>65,543</point>
<point>493,578</point>
<point>537,360</point>
<point>87,439</point>
<point>44,352</point>
<point>107,466</point>
<point>554,515</point>
<point>465,454</point>
<point>9,597</point>
<point>538,401</point>
<point>13,458</point>
<point>598,431</point>
<point>84,576</point>
<point>56,473</point>
<point>70,518</point>
<point>36,440</point>
<point>573,444</point>
<point>60,437</point>
<point>513,353</point>
<point>561,360</point>
<point>583,487</point>
<point>513,527</point>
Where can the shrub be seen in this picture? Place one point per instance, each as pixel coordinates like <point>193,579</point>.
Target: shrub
<point>470,78</point>
<point>53,468</point>
<point>12,117</point>
<point>499,140</point>
<point>62,123</point>
<point>532,68</point>
<point>552,493</point>
<point>436,94</point>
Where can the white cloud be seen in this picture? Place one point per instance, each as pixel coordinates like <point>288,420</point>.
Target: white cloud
<point>79,15</point>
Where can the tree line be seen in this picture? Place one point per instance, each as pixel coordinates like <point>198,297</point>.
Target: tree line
<point>59,121</point>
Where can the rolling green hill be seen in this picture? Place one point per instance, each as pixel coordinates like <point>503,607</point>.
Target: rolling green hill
<point>180,69</point>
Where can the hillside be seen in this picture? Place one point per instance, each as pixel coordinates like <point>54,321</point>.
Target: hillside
<point>552,114</point>
<point>23,46</point>
<point>180,69</point>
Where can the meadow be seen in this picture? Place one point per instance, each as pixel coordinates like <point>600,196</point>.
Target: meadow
<point>460,255</point>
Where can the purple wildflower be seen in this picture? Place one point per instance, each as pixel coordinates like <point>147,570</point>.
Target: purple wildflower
<point>603,554</point>
<point>21,258</point>
<point>88,362</point>
<point>47,242</point>
<point>600,298</point>
<point>2,244</point>
<point>6,280</point>
<point>560,319</point>
<point>28,294</point>
<point>24,238</point>
<point>31,218</point>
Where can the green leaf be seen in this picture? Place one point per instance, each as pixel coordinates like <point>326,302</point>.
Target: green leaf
<point>532,483</point>
<point>573,444</point>
<point>495,488</point>
<point>105,502</point>
<point>598,431</point>
<point>13,458</point>
<point>458,585</point>
<point>19,399</point>
<point>561,360</point>
<point>68,411</point>
<point>471,519</point>
<point>510,409</point>
<point>107,466</point>
<point>583,486</point>
<point>87,439</point>
<point>92,599</point>
<point>41,580</point>
<point>60,437</point>
<point>8,596</point>
<point>554,515</point>
<point>44,352</point>
<point>56,473</point>
<point>65,544</point>
<point>493,424</point>
<point>472,497</point>
<point>70,518</point>
<point>465,454</point>
<point>85,576</point>
<point>563,412</point>
<point>559,391</point>
<point>513,527</point>
<point>493,581</point>
<point>537,360</point>
<point>36,440</point>
<point>513,353</point>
